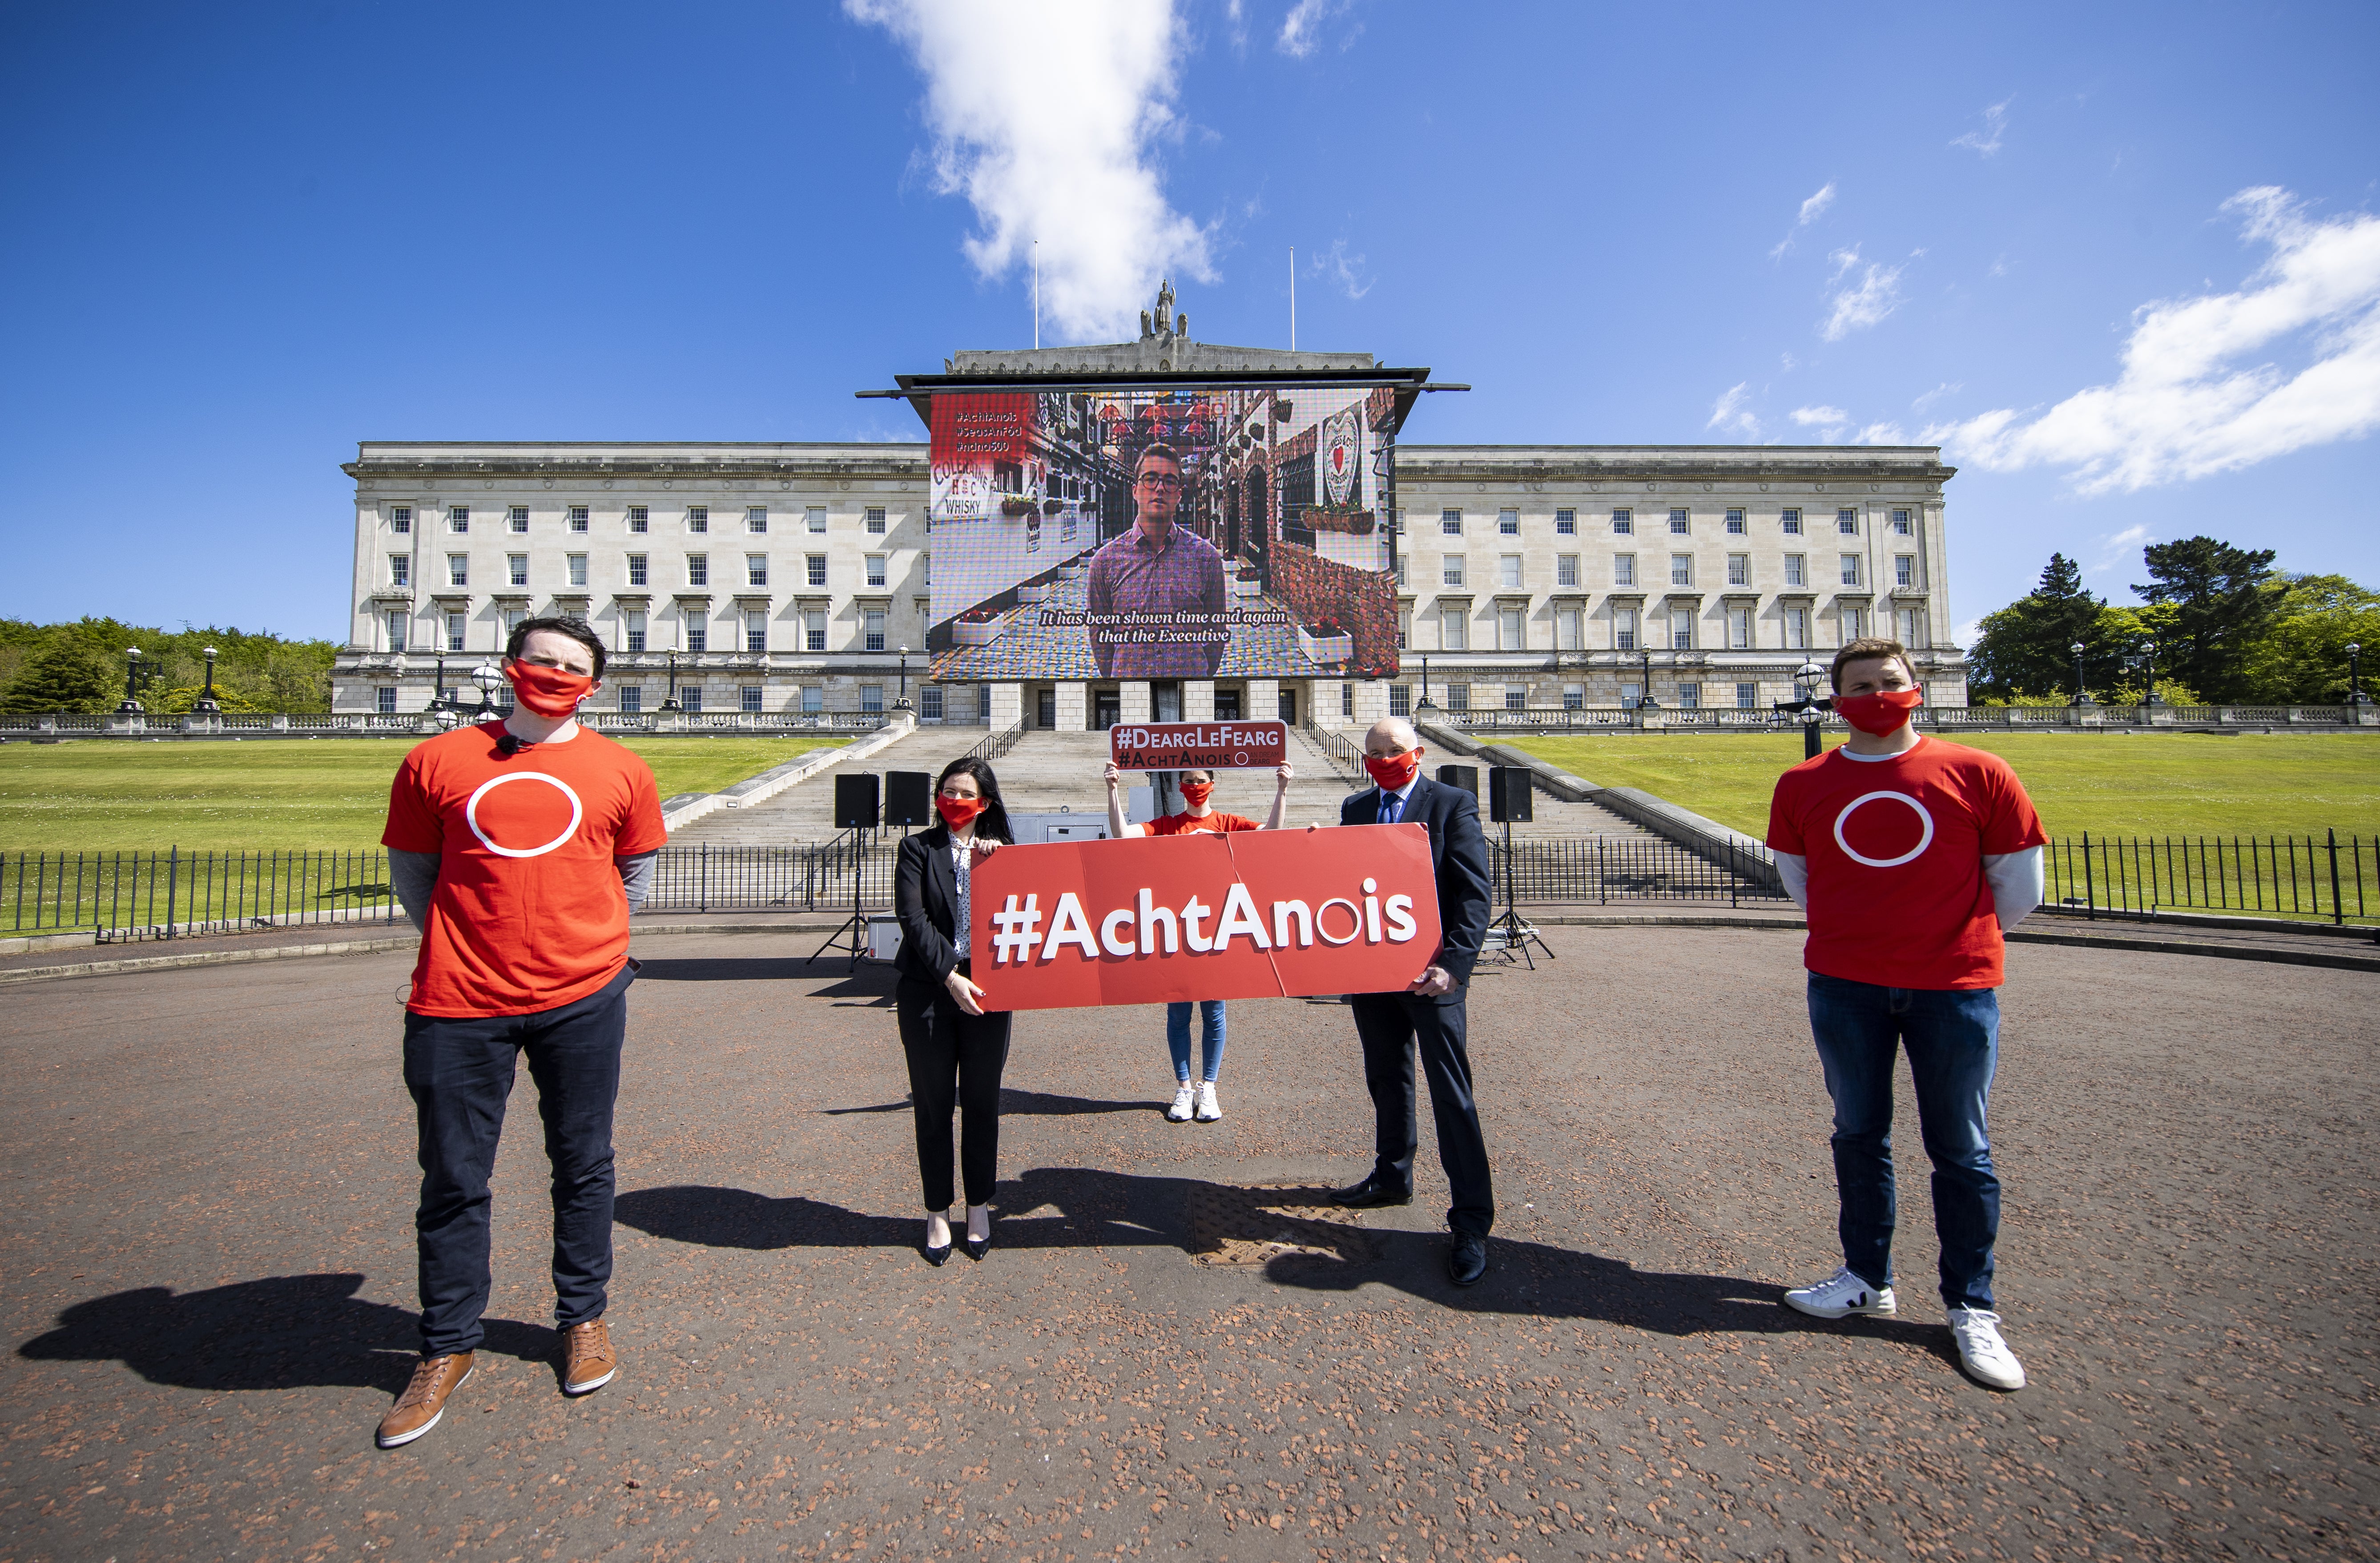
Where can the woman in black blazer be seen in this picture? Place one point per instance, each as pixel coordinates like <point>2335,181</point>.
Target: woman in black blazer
<point>956,1051</point>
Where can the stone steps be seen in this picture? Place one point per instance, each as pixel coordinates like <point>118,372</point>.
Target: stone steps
<point>805,812</point>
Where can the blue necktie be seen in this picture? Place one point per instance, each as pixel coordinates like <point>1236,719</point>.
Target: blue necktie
<point>1391,806</point>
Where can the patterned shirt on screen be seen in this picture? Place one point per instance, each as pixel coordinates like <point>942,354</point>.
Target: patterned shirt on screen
<point>1132,574</point>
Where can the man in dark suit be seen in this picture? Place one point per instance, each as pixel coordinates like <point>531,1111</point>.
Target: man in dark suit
<point>1431,1012</point>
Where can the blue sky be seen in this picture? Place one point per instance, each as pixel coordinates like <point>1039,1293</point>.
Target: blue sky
<point>245,237</point>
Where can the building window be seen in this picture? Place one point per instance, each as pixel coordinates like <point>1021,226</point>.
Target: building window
<point>872,630</point>
<point>1566,569</point>
<point>512,620</point>
<point>698,569</point>
<point>1690,697</point>
<point>697,517</point>
<point>874,520</point>
<point>1682,569</point>
<point>1623,569</point>
<point>634,629</point>
<point>640,518</point>
<point>756,519</point>
<point>455,624</point>
<point>632,698</point>
<point>813,699</point>
<point>1792,521</point>
<point>929,702</point>
<point>925,569</point>
<point>1450,522</point>
<point>458,569</point>
<point>577,513</point>
<point>1454,628</point>
<point>1623,629</point>
<point>577,563</point>
<point>1851,569</point>
<point>384,699</point>
<point>1623,522</point>
<point>755,629</point>
<point>690,697</point>
<point>1508,572</point>
<point>1566,630</point>
<point>1913,628</point>
<point>1346,699</point>
<point>459,518</point>
<point>400,519</point>
<point>516,519</point>
<point>748,698</point>
<point>814,630</point>
<point>1565,522</point>
<point>1508,630</point>
<point>1854,623</point>
<point>871,699</point>
<point>1735,527</point>
<point>517,569</point>
<point>1516,699</point>
<point>1739,629</point>
<point>1508,523</point>
<point>1401,578</point>
<point>639,572</point>
<point>814,519</point>
<point>395,623</point>
<point>1796,570</point>
<point>1682,629</point>
<point>1574,697</point>
<point>1738,569</point>
<point>1847,522</point>
<point>756,569</point>
<point>698,634</point>
<point>1404,628</point>
<point>1679,527</point>
<point>817,563</point>
<point>1631,696</point>
<point>1458,696</point>
<point>1797,629</point>
<point>1747,696</point>
<point>1905,569</point>
<point>1901,527</point>
<point>1451,570</point>
<point>1401,699</point>
<point>400,570</point>
<point>876,569</point>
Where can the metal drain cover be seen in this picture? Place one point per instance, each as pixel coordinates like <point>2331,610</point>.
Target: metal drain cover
<point>1256,1226</point>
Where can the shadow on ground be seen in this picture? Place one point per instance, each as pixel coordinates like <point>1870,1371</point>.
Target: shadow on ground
<point>1030,1104</point>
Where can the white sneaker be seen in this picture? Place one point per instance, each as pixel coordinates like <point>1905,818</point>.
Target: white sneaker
<point>1981,1351</point>
<point>1210,1108</point>
<point>1183,1099</point>
<point>1840,1295</point>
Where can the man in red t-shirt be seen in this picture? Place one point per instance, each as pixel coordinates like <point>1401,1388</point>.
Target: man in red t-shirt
<point>1197,814</point>
<point>1911,856</point>
<point>518,848</point>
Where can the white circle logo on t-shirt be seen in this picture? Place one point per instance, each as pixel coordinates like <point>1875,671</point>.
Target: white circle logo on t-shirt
<point>1924,833</point>
<point>471,814</point>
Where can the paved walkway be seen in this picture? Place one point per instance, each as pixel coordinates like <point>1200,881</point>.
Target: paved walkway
<point>209,1284</point>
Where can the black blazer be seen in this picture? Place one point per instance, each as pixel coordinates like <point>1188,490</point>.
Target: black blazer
<point>926,897</point>
<point>1458,851</point>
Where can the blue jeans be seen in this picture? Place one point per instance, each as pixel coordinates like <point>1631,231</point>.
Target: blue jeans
<point>1210,1042</point>
<point>1952,1037</point>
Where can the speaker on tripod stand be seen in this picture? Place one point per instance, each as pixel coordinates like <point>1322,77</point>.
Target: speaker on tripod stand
<point>908,798</point>
<point>854,810</point>
<point>1510,799</point>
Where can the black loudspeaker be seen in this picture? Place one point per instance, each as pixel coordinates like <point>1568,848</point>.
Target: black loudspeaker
<point>1508,793</point>
<point>1463,776</point>
<point>855,801</point>
<point>908,798</point>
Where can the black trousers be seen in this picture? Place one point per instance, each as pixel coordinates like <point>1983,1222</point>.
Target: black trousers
<point>1392,1024</point>
<point>954,1058</point>
<point>461,1073</point>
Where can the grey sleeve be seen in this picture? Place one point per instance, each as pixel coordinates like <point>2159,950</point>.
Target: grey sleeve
<point>2018,881</point>
<point>414,876</point>
<point>637,877</point>
<point>1793,869</point>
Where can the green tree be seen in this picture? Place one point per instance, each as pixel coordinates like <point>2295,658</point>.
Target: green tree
<point>2223,600</point>
<point>2024,648</point>
<point>62,676</point>
<point>2300,659</point>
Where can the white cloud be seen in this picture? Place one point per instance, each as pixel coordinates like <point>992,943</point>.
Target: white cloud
<point>1968,633</point>
<point>1731,413</point>
<point>1988,140</point>
<point>1844,260</point>
<point>1880,434</point>
<point>1044,119</point>
<point>1343,271</point>
<point>1855,308</point>
<point>1300,30</point>
<point>1816,417</point>
<point>1235,20</point>
<point>1949,387</point>
<point>2185,403</point>
<point>1812,209</point>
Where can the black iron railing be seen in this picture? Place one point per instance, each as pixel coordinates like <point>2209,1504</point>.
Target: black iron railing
<point>2329,877</point>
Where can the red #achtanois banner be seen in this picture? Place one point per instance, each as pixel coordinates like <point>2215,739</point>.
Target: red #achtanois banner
<point>1257,913</point>
<point>1200,746</point>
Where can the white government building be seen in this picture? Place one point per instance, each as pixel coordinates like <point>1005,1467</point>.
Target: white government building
<point>777,578</point>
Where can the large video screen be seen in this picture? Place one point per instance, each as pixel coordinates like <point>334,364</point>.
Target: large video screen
<point>1198,532</point>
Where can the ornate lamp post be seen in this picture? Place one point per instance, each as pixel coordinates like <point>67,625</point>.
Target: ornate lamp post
<point>1425,704</point>
<point>2355,695</point>
<point>902,704</point>
<point>1807,705</point>
<point>2082,695</point>
<point>2145,661</point>
<point>1645,700</point>
<point>487,675</point>
<point>131,706</point>
<point>670,703</point>
<point>207,705</point>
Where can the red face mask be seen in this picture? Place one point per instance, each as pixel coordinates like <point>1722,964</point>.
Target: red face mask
<point>1198,793</point>
<point>958,811</point>
<point>1879,715</point>
<point>550,692</point>
<point>1394,771</point>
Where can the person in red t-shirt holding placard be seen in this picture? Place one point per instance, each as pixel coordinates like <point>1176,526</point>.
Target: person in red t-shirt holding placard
<point>518,848</point>
<point>1197,814</point>
<point>1911,856</point>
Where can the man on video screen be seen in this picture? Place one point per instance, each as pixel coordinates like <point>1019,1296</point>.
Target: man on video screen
<point>1157,568</point>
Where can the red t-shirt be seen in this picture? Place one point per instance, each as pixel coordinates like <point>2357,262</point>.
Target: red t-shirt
<point>1182,824</point>
<point>529,914</point>
<point>1896,850</point>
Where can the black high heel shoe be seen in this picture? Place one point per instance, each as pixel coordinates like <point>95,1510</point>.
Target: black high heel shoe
<point>935,1255</point>
<point>976,1247</point>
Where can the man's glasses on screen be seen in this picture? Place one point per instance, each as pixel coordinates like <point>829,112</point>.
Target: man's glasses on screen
<point>1160,481</point>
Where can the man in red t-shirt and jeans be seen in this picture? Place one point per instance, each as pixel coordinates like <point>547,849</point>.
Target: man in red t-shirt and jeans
<point>1911,856</point>
<point>518,848</point>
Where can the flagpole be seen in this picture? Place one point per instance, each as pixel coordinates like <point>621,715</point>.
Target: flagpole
<point>1037,293</point>
<point>1292,298</point>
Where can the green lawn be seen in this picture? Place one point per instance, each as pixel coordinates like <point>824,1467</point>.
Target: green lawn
<point>2128,784</point>
<point>295,792</point>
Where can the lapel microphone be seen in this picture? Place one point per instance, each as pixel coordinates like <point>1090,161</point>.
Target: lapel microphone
<point>508,746</point>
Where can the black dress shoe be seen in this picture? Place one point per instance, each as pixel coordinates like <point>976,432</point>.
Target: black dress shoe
<point>1469,1260</point>
<point>977,1247</point>
<point>935,1255</point>
<point>1369,1193</point>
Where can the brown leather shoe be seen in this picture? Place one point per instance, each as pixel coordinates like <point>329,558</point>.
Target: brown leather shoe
<point>588,1361</point>
<point>424,1401</point>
